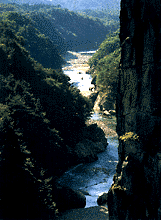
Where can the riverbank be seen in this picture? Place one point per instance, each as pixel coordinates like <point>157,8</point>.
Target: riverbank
<point>100,123</point>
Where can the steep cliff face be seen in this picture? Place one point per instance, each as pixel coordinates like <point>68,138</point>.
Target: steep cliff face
<point>136,192</point>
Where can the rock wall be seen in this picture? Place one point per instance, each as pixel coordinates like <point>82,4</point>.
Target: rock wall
<point>136,192</point>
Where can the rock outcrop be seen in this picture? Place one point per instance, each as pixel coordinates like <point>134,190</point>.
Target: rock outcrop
<point>93,142</point>
<point>106,102</point>
<point>136,192</point>
<point>93,96</point>
<point>102,199</point>
<point>86,151</point>
<point>67,198</point>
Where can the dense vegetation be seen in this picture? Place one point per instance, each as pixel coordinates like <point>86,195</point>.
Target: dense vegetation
<point>41,114</point>
<point>108,17</point>
<point>41,48</point>
<point>104,65</point>
<point>65,29</point>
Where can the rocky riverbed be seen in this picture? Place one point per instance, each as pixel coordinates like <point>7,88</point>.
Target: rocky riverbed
<point>77,60</point>
<point>96,177</point>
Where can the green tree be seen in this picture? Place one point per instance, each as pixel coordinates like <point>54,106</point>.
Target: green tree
<point>104,65</point>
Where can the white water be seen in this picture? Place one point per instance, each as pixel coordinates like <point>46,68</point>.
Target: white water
<point>95,178</point>
<point>82,81</point>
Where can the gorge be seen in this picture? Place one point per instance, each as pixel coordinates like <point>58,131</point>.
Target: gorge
<point>45,124</point>
<point>135,192</point>
<point>92,178</point>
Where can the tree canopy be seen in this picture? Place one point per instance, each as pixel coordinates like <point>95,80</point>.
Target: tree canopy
<point>41,115</point>
<point>104,65</point>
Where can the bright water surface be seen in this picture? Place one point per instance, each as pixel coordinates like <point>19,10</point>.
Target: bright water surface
<point>82,81</point>
<point>96,177</point>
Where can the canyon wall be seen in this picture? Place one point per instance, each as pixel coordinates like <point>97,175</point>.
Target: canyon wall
<point>136,192</point>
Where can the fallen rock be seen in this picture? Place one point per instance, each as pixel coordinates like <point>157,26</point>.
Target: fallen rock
<point>95,134</point>
<point>67,198</point>
<point>84,151</point>
<point>112,112</point>
<point>106,113</point>
<point>84,192</point>
<point>102,199</point>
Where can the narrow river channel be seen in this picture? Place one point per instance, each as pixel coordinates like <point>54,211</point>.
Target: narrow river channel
<point>96,177</point>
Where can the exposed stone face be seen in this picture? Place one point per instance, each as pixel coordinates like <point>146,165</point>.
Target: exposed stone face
<point>135,193</point>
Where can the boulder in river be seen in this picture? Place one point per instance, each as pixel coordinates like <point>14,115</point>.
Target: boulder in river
<point>106,113</point>
<point>93,96</point>
<point>85,152</point>
<point>94,213</point>
<point>67,198</point>
<point>112,112</point>
<point>95,134</point>
<point>102,199</point>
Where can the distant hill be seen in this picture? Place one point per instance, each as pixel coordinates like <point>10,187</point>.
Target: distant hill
<point>74,4</point>
<point>67,30</point>
<point>106,16</point>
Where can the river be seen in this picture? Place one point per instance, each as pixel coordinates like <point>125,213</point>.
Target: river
<point>95,178</point>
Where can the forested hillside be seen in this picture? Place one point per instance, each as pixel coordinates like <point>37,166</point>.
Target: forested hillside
<point>104,67</point>
<point>65,29</point>
<point>41,115</point>
<point>41,48</point>
<point>108,17</point>
<point>73,4</point>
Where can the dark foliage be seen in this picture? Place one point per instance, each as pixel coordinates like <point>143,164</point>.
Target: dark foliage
<point>38,112</point>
